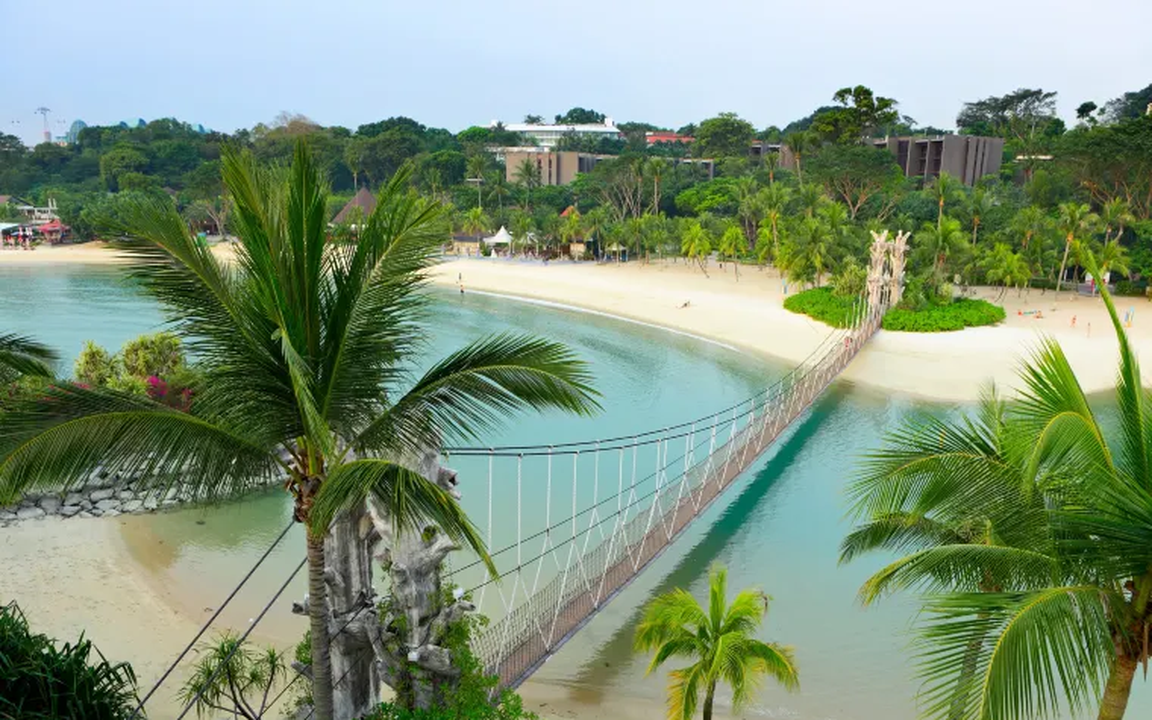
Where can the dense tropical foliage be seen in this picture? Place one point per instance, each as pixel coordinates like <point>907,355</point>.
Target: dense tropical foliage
<point>42,680</point>
<point>1026,528</point>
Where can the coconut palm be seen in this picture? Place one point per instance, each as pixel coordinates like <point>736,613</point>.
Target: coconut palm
<point>749,207</point>
<point>497,187</point>
<point>978,204</point>
<point>1115,215</point>
<point>943,189</point>
<point>809,251</point>
<point>697,244</point>
<point>719,639</point>
<point>1071,627</point>
<point>476,166</point>
<point>1113,257</point>
<point>304,349</point>
<point>776,198</point>
<point>476,222</point>
<point>800,143</point>
<point>1076,222</point>
<point>732,244</point>
<point>527,175</point>
<point>20,355</point>
<point>1004,267</point>
<point>939,242</point>
<point>655,169</point>
<point>1028,223</point>
<point>810,197</point>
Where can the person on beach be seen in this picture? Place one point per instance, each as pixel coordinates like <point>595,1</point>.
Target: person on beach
<point>1073,322</point>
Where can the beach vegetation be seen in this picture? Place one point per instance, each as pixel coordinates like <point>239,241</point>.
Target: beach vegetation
<point>43,680</point>
<point>718,639</point>
<point>234,677</point>
<point>303,350</point>
<point>1022,529</point>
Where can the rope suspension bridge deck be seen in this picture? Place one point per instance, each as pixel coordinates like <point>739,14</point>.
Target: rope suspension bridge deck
<point>562,573</point>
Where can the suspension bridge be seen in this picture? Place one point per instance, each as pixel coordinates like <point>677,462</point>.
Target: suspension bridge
<point>569,526</point>
<point>610,507</point>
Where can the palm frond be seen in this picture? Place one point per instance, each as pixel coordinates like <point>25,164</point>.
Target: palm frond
<point>778,661</point>
<point>963,567</point>
<point>665,618</point>
<point>1015,656</point>
<point>684,691</point>
<point>897,532</point>
<point>476,387</point>
<point>745,613</point>
<point>411,500</point>
<point>58,440</point>
<point>21,355</point>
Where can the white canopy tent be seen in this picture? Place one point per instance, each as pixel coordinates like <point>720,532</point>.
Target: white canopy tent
<point>502,237</point>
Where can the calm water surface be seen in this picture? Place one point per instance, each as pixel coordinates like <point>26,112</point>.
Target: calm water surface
<point>778,528</point>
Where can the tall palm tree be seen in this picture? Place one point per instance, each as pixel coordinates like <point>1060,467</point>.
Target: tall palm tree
<point>810,251</point>
<point>1028,223</point>
<point>943,188</point>
<point>1005,267</point>
<point>719,638</point>
<point>476,166</point>
<point>304,348</point>
<point>697,244</point>
<point>1115,215</point>
<point>20,355</point>
<point>810,198</point>
<point>656,168</point>
<point>776,199</point>
<point>476,222</point>
<point>1072,627</point>
<point>940,242</point>
<point>978,204</point>
<point>800,143</point>
<point>749,207</point>
<point>527,175</point>
<point>498,187</point>
<point>732,243</point>
<point>1076,222</point>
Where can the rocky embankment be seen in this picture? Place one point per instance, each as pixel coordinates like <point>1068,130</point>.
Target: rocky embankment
<point>103,496</point>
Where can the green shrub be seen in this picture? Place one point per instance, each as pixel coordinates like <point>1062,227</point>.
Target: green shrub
<point>956,315</point>
<point>40,680</point>
<point>850,281</point>
<point>823,305</point>
<point>1130,288</point>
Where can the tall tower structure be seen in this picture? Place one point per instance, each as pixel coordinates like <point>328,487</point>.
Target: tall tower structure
<point>47,130</point>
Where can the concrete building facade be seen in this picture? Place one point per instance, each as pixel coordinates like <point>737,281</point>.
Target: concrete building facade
<point>965,157</point>
<point>560,167</point>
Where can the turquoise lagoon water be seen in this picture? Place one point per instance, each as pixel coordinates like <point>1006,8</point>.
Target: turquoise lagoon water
<point>778,528</point>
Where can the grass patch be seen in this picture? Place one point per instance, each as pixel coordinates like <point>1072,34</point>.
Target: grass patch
<point>956,315</point>
<point>820,304</point>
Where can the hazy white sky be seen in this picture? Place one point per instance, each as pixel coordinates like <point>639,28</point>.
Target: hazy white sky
<point>453,63</point>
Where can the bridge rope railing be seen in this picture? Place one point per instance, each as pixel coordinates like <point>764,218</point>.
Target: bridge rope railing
<point>563,571</point>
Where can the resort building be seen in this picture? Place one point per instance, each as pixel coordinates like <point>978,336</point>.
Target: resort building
<point>560,167</point>
<point>661,136</point>
<point>548,136</point>
<point>965,157</point>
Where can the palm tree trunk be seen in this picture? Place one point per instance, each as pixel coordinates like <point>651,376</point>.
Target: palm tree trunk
<point>940,215</point>
<point>1118,689</point>
<point>318,630</point>
<point>1063,264</point>
<point>711,695</point>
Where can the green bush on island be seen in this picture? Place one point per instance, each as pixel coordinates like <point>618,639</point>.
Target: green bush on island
<point>955,315</point>
<point>39,679</point>
<point>823,305</point>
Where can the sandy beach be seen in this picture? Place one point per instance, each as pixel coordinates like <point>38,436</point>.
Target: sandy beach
<point>84,576</point>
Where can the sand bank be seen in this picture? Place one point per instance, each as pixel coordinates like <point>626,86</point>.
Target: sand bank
<point>748,313</point>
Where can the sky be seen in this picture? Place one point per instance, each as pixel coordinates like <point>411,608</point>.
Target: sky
<point>229,64</point>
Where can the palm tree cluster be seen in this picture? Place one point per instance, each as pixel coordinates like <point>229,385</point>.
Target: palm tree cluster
<point>304,352</point>
<point>1027,530</point>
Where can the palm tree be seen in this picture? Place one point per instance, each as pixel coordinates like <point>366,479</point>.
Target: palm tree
<point>23,356</point>
<point>697,244</point>
<point>939,242</point>
<point>944,187</point>
<point>1028,223</point>
<point>1071,627</point>
<point>811,197</point>
<point>1076,221</point>
<point>303,348</point>
<point>656,168</point>
<point>732,244</point>
<point>1005,267</point>
<point>750,207</point>
<point>978,205</point>
<point>775,199</point>
<point>476,222</point>
<point>1113,256</point>
<point>498,187</point>
<point>719,639</point>
<point>477,164</point>
<point>809,253</point>
<point>1115,215</point>
<point>527,175</point>
<point>800,143</point>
